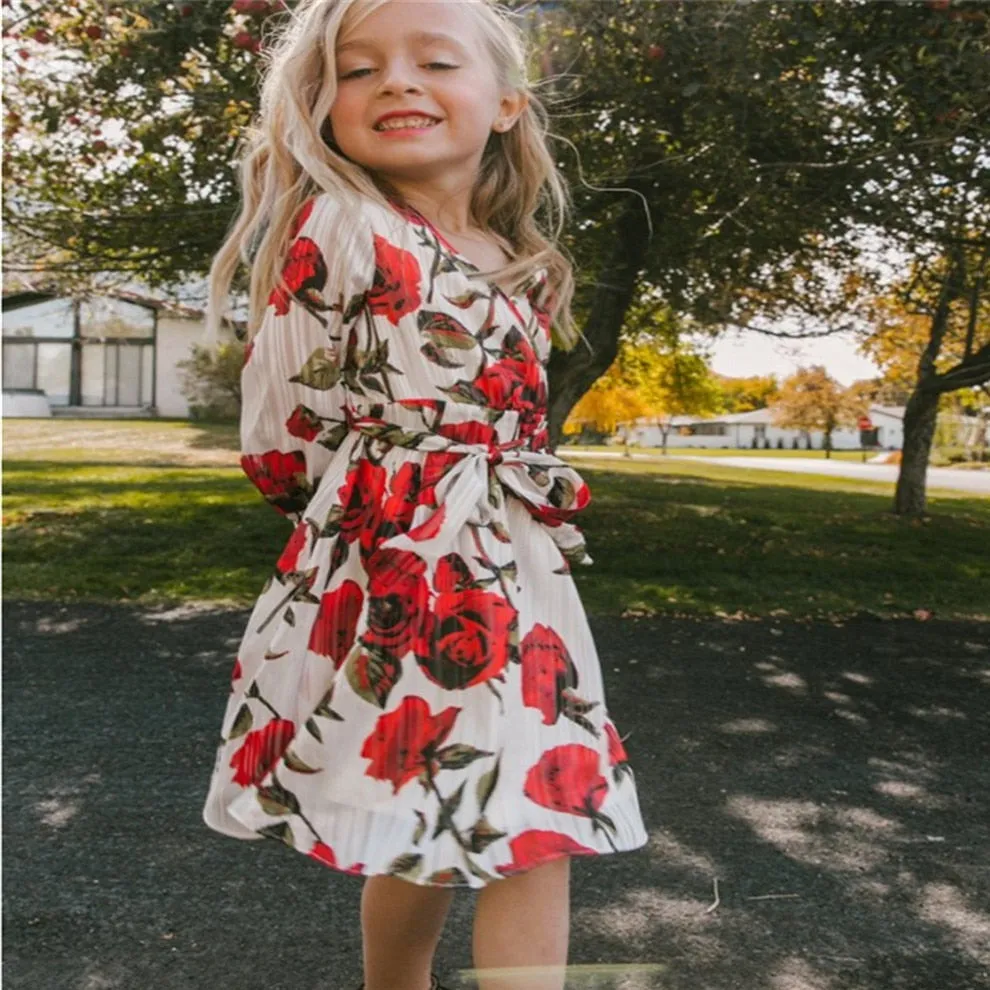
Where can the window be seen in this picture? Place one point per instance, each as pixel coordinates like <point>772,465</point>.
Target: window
<point>114,319</point>
<point>50,318</point>
<point>114,347</point>
<point>18,365</point>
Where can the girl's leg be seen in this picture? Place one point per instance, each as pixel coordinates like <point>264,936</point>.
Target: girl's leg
<point>524,921</point>
<point>401,924</point>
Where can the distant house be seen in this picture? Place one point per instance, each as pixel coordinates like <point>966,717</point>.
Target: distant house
<point>756,429</point>
<point>112,355</point>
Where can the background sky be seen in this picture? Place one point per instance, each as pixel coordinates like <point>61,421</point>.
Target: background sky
<point>741,354</point>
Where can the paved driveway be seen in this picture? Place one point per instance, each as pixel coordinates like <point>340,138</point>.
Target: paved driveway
<point>834,780</point>
<point>967,481</point>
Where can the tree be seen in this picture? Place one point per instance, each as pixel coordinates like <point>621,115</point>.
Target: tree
<point>931,337</point>
<point>732,156</point>
<point>811,399</point>
<point>121,121</point>
<point>660,383</point>
<point>610,401</point>
<point>746,394</point>
<point>714,118</point>
<point>877,122</point>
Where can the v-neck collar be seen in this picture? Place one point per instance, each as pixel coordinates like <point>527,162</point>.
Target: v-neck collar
<point>411,215</point>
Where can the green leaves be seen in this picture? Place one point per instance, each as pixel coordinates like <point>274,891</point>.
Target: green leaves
<point>321,370</point>
<point>459,755</point>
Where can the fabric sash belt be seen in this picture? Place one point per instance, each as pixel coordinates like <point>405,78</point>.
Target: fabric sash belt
<point>467,494</point>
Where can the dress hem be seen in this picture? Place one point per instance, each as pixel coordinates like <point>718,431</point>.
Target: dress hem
<point>366,874</point>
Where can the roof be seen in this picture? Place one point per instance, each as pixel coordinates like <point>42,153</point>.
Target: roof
<point>759,417</point>
<point>164,307</point>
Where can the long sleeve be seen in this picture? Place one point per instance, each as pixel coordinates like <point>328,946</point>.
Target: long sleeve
<point>292,411</point>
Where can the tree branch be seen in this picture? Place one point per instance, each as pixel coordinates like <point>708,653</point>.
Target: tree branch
<point>973,371</point>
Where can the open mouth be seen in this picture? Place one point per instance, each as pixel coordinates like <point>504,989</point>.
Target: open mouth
<point>412,122</point>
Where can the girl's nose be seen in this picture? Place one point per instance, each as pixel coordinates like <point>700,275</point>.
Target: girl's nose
<point>397,78</point>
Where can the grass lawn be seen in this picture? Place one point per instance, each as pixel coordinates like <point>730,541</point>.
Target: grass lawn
<point>153,511</point>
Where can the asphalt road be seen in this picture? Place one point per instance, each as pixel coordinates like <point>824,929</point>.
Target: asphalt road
<point>967,481</point>
<point>834,780</point>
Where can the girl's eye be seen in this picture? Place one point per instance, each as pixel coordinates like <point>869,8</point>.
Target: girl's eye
<point>356,73</point>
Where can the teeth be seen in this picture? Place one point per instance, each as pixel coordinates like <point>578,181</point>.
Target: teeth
<point>393,123</point>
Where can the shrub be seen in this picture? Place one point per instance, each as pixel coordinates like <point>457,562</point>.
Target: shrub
<point>211,383</point>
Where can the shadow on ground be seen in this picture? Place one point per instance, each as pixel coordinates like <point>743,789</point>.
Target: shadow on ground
<point>835,780</point>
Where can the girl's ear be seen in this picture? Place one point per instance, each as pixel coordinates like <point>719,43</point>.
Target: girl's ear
<point>510,108</point>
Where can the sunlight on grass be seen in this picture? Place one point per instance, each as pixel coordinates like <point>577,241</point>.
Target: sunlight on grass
<point>160,511</point>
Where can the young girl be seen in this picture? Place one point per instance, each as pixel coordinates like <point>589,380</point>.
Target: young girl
<point>417,698</point>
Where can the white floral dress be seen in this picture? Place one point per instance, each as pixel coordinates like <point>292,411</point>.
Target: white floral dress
<point>417,691</point>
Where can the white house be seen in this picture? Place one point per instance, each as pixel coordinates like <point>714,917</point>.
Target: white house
<point>756,429</point>
<point>112,355</point>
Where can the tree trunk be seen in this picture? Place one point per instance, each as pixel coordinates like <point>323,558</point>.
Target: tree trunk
<point>919,430</point>
<point>922,408</point>
<point>571,373</point>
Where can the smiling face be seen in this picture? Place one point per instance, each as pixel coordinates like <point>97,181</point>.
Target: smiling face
<point>418,96</point>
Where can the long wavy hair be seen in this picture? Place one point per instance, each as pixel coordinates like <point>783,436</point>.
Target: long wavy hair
<point>289,155</point>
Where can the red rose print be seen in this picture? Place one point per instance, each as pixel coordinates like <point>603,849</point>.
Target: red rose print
<point>536,846</point>
<point>289,560</point>
<point>539,440</point>
<point>237,672</point>
<point>361,495</point>
<point>395,291</point>
<point>261,750</point>
<point>324,854</point>
<point>469,431</point>
<point>248,350</point>
<point>438,462</point>
<point>616,751</point>
<point>517,385</point>
<point>429,528</point>
<point>401,504</point>
<point>434,404</point>
<point>567,779</point>
<point>399,618</point>
<point>304,271</point>
<point>436,465</point>
<point>452,573</point>
<point>336,621</point>
<point>404,739</point>
<point>390,568</point>
<point>542,321</point>
<point>470,639</point>
<point>304,423</point>
<point>531,400</point>
<point>501,381</point>
<point>547,669</point>
<point>280,476</point>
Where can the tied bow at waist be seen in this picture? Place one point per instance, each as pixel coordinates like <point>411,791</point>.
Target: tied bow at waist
<point>471,491</point>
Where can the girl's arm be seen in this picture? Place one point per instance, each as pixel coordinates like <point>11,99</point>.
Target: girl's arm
<point>292,411</point>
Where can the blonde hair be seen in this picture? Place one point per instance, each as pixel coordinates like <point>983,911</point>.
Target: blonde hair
<point>290,156</point>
